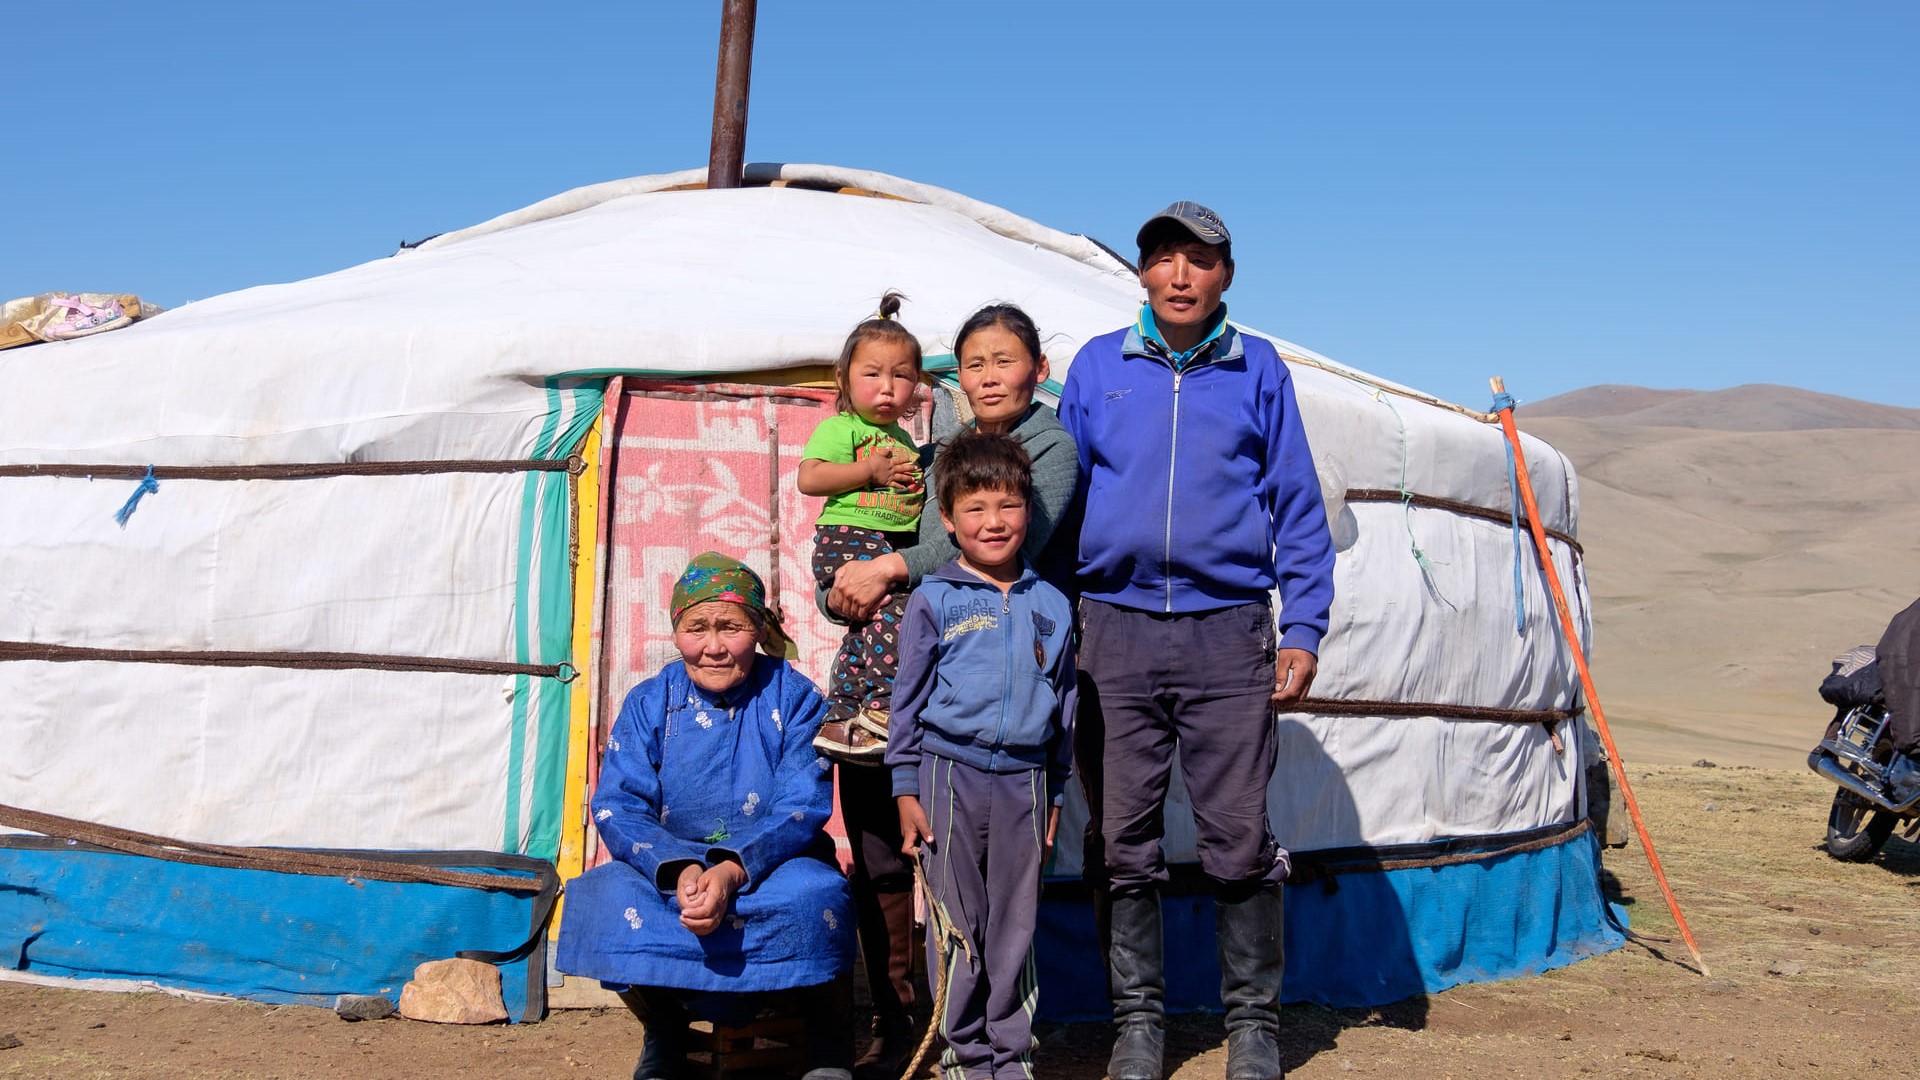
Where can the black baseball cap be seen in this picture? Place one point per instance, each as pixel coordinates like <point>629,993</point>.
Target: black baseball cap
<point>1204,224</point>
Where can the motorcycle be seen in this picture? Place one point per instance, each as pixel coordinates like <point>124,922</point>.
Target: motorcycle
<point>1855,754</point>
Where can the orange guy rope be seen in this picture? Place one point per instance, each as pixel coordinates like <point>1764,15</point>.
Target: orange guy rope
<point>1586,677</point>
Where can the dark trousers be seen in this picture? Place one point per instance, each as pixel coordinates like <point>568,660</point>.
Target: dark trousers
<point>882,878</point>
<point>984,870</point>
<point>1201,683</point>
<point>665,1011</point>
<point>869,654</point>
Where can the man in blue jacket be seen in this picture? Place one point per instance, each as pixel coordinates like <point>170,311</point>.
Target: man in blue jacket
<point>1202,499</point>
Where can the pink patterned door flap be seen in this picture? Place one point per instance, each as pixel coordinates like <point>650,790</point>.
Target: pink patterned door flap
<point>708,467</point>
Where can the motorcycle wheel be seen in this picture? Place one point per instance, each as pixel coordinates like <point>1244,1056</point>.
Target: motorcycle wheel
<point>1856,829</point>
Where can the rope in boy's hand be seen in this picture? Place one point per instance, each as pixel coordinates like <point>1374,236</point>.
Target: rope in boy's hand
<point>916,832</point>
<point>940,925</point>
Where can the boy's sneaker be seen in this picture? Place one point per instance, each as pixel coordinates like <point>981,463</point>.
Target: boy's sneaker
<point>861,740</point>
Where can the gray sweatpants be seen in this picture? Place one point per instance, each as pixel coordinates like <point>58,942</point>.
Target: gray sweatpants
<point>984,869</point>
<point>1202,682</point>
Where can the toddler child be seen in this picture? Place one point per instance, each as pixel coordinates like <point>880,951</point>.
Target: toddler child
<point>868,468</point>
<point>980,737</point>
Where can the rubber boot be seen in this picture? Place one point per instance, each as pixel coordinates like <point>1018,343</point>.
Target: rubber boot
<point>1248,921</point>
<point>828,1012</point>
<point>1136,983</point>
<point>890,974</point>
<point>663,1046</point>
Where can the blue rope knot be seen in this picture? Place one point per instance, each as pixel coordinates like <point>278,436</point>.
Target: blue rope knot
<point>148,486</point>
<point>1503,402</point>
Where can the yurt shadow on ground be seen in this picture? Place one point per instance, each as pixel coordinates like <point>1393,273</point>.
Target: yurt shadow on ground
<point>411,524</point>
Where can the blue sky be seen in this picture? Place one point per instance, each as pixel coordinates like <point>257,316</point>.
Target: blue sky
<point>1673,194</point>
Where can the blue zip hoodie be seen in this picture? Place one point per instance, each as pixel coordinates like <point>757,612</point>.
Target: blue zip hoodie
<point>986,679</point>
<point>1201,491</point>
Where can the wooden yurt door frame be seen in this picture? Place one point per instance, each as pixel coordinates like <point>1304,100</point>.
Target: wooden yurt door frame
<point>598,701</point>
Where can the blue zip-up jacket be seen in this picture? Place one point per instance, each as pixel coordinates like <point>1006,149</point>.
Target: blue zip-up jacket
<point>1201,490</point>
<point>986,679</point>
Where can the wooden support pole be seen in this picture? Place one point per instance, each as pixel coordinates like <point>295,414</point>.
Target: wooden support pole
<point>726,160</point>
<point>1580,664</point>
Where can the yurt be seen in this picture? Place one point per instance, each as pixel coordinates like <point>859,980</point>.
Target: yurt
<point>317,599</point>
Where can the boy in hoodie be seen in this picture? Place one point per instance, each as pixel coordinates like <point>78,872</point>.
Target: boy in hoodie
<point>980,749</point>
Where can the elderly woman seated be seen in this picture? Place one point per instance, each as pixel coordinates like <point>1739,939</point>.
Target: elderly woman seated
<point>722,897</point>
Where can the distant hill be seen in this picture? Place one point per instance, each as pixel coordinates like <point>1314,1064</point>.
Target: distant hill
<point>1593,402</point>
<point>1756,407</point>
<point>1735,540</point>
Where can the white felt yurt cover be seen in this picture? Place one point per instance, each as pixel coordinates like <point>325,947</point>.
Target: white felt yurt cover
<point>493,345</point>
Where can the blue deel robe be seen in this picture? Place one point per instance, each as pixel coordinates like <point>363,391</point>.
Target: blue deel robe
<point>696,777</point>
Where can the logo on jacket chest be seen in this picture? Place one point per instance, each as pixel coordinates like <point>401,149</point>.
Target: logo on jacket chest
<point>969,616</point>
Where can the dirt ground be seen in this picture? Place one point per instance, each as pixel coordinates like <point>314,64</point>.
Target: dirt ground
<point>1812,966</point>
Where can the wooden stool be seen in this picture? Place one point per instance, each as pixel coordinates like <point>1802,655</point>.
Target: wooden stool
<point>768,1043</point>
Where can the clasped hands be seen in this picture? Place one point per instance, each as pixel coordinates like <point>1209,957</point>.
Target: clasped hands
<point>705,894</point>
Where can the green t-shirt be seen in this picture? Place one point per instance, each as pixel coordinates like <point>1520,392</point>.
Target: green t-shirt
<point>846,437</point>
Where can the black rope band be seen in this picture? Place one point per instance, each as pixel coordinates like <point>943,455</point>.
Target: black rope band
<point>1325,865</point>
<point>311,661</point>
<point>1344,707</point>
<point>279,860</point>
<point>401,867</point>
<point>1434,502</point>
<point>296,471</point>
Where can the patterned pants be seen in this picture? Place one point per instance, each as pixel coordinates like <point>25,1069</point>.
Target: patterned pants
<point>870,653</point>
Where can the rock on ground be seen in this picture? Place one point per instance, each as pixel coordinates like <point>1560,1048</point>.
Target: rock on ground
<point>362,1007</point>
<point>454,992</point>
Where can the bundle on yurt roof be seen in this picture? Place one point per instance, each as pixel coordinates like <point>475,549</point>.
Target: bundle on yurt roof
<point>396,540</point>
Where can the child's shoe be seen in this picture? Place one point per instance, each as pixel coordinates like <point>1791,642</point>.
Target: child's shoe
<point>873,719</point>
<point>861,740</point>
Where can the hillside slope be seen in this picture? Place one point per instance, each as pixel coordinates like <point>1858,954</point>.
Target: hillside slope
<point>1729,564</point>
<point>1755,407</point>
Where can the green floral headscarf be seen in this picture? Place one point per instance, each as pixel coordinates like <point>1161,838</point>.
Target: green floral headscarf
<point>713,576</point>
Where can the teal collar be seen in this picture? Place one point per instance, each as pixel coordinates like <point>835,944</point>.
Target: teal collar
<point>1150,331</point>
